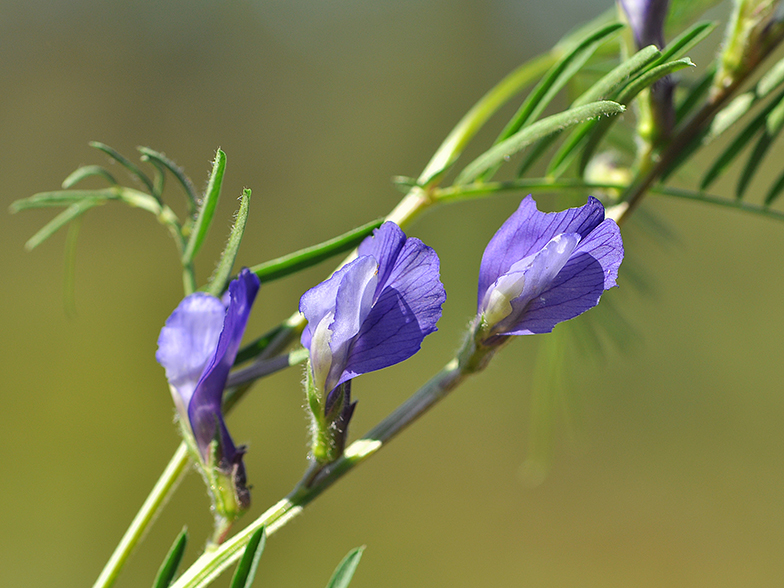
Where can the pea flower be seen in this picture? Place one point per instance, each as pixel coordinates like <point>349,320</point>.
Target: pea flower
<point>372,313</point>
<point>197,347</point>
<point>540,269</point>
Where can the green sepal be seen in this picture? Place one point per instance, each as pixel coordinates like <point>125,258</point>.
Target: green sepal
<point>309,256</point>
<point>249,563</point>
<point>342,575</point>
<point>220,277</point>
<point>542,128</point>
<point>171,563</point>
<point>126,163</point>
<point>207,209</point>
<point>86,172</point>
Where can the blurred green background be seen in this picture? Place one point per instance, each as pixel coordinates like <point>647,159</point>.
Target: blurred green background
<point>672,475</point>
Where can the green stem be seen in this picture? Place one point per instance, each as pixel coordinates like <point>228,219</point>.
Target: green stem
<point>158,496</point>
<point>207,567</point>
<point>415,202</point>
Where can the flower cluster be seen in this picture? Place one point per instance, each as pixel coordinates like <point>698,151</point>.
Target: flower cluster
<point>538,270</point>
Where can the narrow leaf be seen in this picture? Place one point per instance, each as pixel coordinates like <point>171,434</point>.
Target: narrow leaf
<point>304,258</point>
<point>126,163</point>
<point>686,40</point>
<point>547,126</point>
<point>775,190</point>
<point>62,198</point>
<point>555,79</point>
<point>618,75</point>
<point>601,89</point>
<point>249,563</point>
<point>696,94</point>
<point>207,210</point>
<point>737,145</point>
<point>625,97</point>
<point>62,219</point>
<point>254,348</point>
<point>771,79</point>
<point>342,575</point>
<point>221,275</point>
<point>86,172</point>
<point>177,171</point>
<point>730,114</point>
<point>772,128</point>
<point>171,563</point>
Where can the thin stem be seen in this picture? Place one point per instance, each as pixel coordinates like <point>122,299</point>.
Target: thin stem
<point>210,565</point>
<point>157,497</point>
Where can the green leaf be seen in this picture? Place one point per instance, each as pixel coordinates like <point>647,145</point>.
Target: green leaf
<point>555,79</point>
<point>342,575</point>
<point>625,97</point>
<point>304,258</point>
<point>72,212</point>
<point>86,172</point>
<point>207,210</point>
<point>736,146</point>
<point>771,79</point>
<point>773,124</point>
<point>730,114</point>
<point>775,190</point>
<point>605,87</point>
<point>686,40</point>
<point>127,164</point>
<point>221,275</point>
<point>547,126</point>
<point>448,152</point>
<point>168,568</point>
<point>608,84</point>
<point>696,94</point>
<point>247,566</point>
<point>177,171</point>
<point>61,198</point>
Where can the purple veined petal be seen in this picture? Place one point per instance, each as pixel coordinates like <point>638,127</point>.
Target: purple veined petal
<point>353,304</point>
<point>526,280</point>
<point>406,310</point>
<point>319,301</point>
<point>592,268</point>
<point>204,410</point>
<point>384,246</point>
<point>527,231</point>
<point>187,343</point>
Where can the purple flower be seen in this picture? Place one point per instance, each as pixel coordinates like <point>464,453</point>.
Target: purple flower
<point>197,348</point>
<point>372,313</point>
<point>543,268</point>
<point>375,311</point>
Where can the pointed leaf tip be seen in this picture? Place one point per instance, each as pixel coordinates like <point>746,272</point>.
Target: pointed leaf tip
<point>343,574</point>
<point>249,563</point>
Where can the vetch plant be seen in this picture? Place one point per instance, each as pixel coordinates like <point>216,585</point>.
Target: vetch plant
<point>540,269</point>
